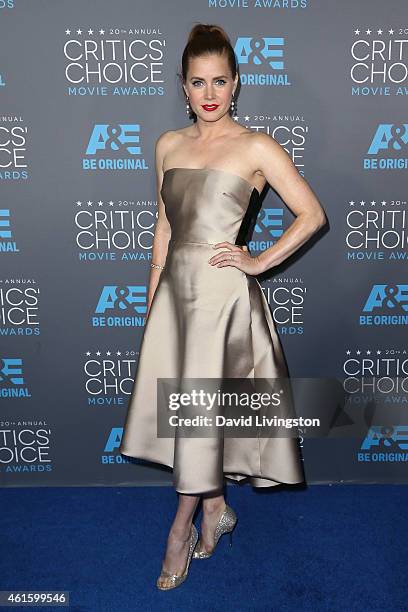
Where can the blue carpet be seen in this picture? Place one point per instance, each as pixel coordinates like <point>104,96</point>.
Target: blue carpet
<point>322,547</point>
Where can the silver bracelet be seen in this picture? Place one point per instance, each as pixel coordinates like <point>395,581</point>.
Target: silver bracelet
<point>157,266</point>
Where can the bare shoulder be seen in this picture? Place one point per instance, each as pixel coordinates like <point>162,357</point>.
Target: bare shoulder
<point>270,158</point>
<point>170,140</point>
<point>164,144</point>
<point>263,144</point>
<point>166,140</point>
<point>257,150</point>
<point>171,136</point>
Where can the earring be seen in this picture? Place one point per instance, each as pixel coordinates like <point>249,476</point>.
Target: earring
<point>233,106</point>
<point>188,109</point>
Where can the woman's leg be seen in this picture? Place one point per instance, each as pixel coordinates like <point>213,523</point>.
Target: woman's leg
<point>178,538</point>
<point>213,507</point>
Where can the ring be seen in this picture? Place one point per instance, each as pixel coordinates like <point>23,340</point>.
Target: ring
<point>231,257</point>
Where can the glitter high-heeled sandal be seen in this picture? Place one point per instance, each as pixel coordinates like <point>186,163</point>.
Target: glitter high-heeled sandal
<point>226,524</point>
<point>176,579</point>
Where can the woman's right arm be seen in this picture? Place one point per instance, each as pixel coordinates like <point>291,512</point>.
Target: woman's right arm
<point>162,232</point>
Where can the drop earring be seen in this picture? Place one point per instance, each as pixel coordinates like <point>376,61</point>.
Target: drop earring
<point>188,109</point>
<point>233,106</point>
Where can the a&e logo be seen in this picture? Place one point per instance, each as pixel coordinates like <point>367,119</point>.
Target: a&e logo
<point>268,228</point>
<point>385,443</point>
<point>11,378</point>
<point>114,147</point>
<point>265,53</point>
<point>391,300</point>
<point>113,442</point>
<point>388,148</point>
<point>7,245</point>
<point>132,299</point>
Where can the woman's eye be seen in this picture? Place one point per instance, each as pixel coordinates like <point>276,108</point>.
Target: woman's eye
<point>222,81</point>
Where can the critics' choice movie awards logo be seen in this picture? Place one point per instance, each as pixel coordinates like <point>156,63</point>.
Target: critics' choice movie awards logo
<point>109,376</point>
<point>120,230</point>
<point>12,383</point>
<point>114,146</point>
<point>7,241</point>
<point>262,61</point>
<point>13,148</point>
<point>286,298</point>
<point>121,306</point>
<point>114,61</point>
<point>375,382</point>
<point>384,444</point>
<point>386,304</point>
<point>19,307</point>
<point>381,371</point>
<point>376,230</point>
<point>25,447</point>
<point>388,148</point>
<point>379,62</point>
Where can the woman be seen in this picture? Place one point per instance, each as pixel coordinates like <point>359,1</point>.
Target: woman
<point>207,315</point>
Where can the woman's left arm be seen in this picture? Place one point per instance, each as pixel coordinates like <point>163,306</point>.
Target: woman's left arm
<point>281,173</point>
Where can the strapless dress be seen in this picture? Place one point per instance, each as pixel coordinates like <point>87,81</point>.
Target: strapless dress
<point>207,322</point>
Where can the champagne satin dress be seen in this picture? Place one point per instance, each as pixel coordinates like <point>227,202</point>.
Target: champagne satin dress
<point>209,322</point>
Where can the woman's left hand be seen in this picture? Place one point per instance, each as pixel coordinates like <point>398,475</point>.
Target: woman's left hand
<point>240,259</point>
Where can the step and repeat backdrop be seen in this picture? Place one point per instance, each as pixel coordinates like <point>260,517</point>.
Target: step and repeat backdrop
<point>86,88</point>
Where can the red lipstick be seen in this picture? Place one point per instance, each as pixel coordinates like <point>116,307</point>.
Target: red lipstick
<point>210,107</point>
